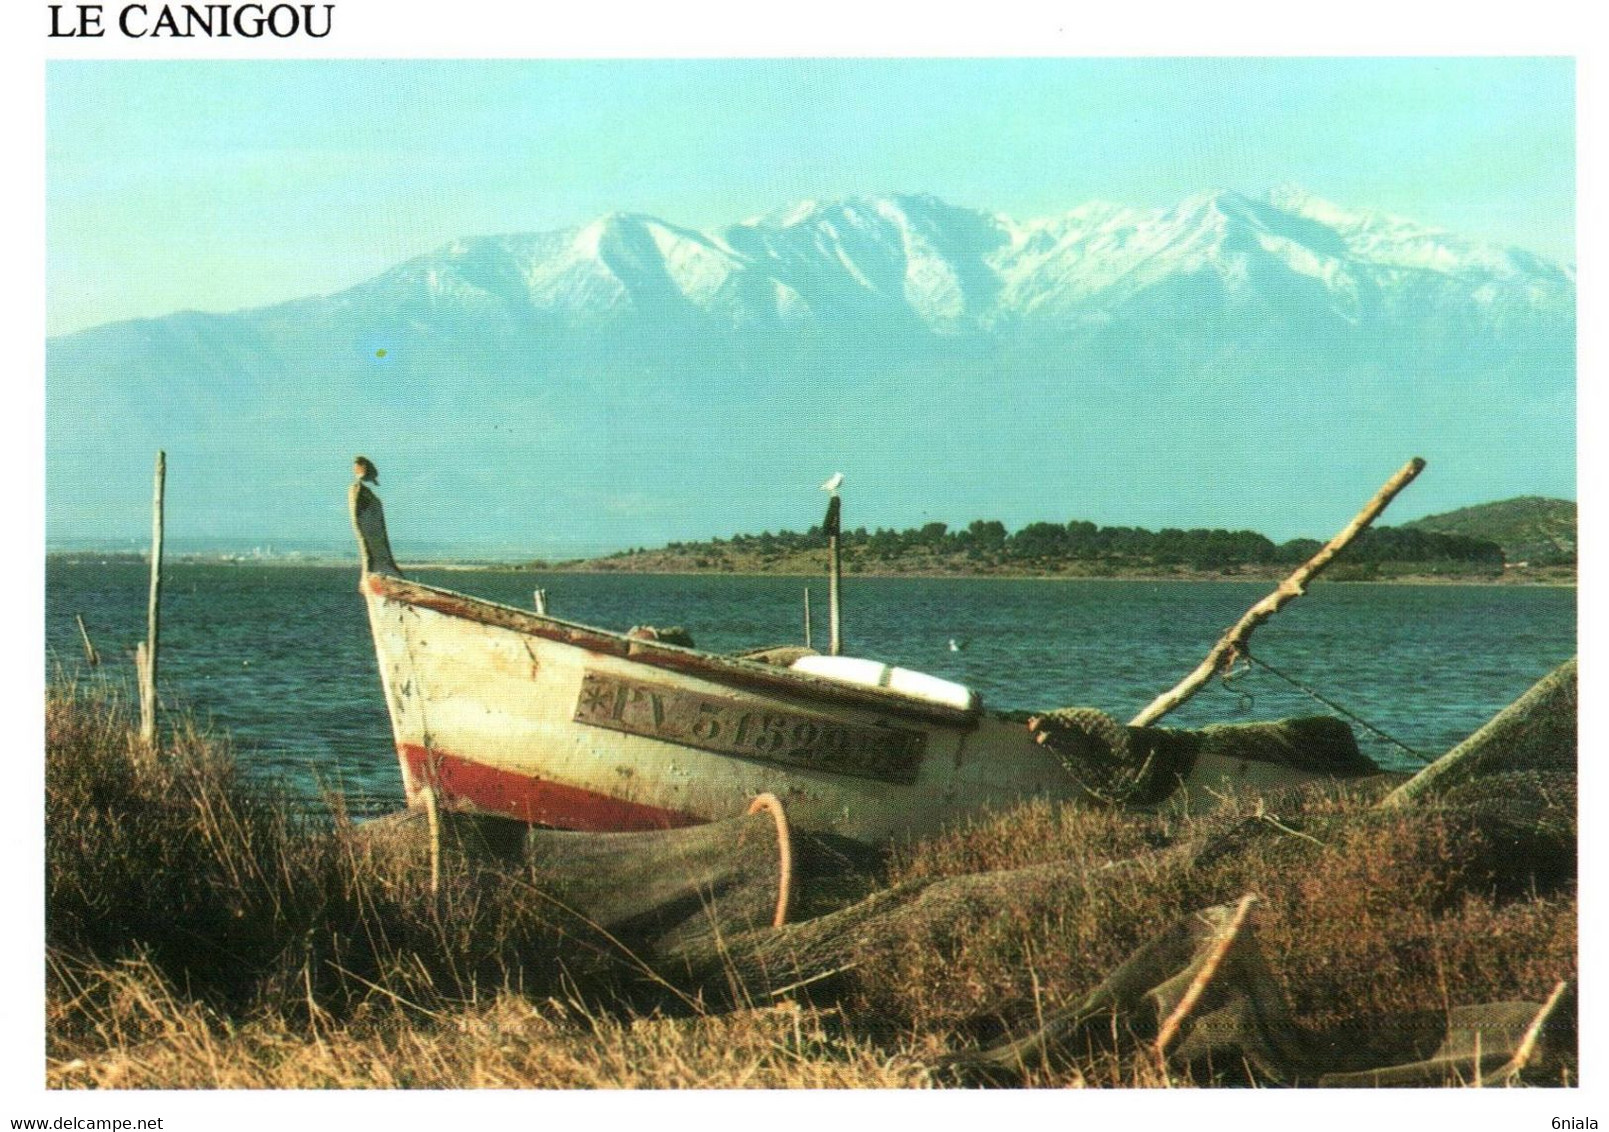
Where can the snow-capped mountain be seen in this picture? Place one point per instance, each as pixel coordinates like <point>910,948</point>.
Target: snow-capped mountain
<point>892,330</point>
<point>947,270</point>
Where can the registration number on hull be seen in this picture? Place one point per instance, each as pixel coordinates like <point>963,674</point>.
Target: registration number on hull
<point>733,727</point>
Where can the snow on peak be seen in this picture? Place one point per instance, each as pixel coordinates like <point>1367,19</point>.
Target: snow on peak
<point>916,259</point>
<point>1394,241</point>
<point>797,214</point>
<point>1299,201</point>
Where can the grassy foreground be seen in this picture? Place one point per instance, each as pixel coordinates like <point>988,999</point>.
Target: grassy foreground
<point>200,937</point>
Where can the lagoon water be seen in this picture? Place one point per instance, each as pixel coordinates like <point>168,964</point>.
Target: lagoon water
<point>280,656</point>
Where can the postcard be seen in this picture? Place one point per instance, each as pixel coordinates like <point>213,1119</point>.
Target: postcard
<point>861,570</point>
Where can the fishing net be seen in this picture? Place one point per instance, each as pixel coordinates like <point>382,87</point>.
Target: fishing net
<point>1140,766</point>
<point>1201,999</point>
<point>746,911</point>
<point>1523,752</point>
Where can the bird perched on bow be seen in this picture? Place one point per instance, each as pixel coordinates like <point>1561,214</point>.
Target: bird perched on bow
<point>368,519</point>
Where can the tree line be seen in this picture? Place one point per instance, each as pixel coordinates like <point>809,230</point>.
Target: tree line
<point>987,541</point>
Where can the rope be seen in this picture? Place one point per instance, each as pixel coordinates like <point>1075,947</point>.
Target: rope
<point>773,804</point>
<point>1331,704</point>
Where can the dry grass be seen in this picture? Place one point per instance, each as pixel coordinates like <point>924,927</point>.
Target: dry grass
<point>198,937</point>
<point>157,1039</point>
<point>169,861</point>
<point>1367,917</point>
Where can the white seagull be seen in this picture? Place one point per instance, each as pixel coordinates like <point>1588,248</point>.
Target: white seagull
<point>832,483</point>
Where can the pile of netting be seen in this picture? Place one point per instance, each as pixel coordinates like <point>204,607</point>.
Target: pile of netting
<point>748,911</point>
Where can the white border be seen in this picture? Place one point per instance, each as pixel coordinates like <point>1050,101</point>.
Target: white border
<point>544,28</point>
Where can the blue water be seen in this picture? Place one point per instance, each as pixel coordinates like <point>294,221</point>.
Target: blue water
<point>281,658</point>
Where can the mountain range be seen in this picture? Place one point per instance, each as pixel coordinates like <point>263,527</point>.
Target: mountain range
<point>1230,361</point>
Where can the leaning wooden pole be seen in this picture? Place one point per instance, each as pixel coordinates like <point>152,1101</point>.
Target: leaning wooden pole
<point>153,611</point>
<point>91,653</point>
<point>1231,644</point>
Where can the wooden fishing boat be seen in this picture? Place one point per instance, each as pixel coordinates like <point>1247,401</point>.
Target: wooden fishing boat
<point>508,711</point>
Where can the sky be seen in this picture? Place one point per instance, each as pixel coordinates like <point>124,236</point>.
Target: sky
<point>223,184</point>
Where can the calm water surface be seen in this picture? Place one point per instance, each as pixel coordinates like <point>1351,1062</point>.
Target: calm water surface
<point>281,657</point>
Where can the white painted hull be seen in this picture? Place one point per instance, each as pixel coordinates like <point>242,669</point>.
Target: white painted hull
<point>504,711</point>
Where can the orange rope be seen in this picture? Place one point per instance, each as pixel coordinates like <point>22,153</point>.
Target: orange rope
<point>785,848</point>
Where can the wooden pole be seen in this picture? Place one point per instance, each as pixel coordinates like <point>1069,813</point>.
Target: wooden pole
<point>90,654</point>
<point>835,619</point>
<point>834,572</point>
<point>541,602</point>
<point>807,617</point>
<point>1231,643</point>
<point>153,610</point>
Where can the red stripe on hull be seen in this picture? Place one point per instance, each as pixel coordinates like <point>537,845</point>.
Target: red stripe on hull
<point>533,800</point>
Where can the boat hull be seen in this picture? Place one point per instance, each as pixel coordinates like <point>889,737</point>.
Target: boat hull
<point>578,733</point>
<point>502,711</point>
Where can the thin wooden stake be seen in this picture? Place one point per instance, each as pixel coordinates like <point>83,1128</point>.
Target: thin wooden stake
<point>541,597</point>
<point>1198,985</point>
<point>147,670</point>
<point>1523,1052</point>
<point>807,616</point>
<point>92,656</point>
<point>835,642</point>
<point>835,635</point>
<point>1233,642</point>
<point>140,667</point>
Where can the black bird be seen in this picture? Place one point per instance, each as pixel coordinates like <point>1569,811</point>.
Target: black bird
<point>365,470</point>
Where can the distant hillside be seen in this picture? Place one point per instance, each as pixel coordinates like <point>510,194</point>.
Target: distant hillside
<point>1529,529</point>
<point>1081,549</point>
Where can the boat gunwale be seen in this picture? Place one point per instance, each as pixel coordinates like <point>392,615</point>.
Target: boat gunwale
<point>662,655</point>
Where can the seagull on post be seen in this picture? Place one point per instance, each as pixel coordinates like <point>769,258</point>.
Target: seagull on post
<point>832,483</point>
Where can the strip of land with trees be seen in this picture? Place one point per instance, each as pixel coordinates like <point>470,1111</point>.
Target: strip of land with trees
<point>1524,540</point>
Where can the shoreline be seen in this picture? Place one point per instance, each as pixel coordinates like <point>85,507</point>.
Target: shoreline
<point>1268,578</point>
<point>78,559</point>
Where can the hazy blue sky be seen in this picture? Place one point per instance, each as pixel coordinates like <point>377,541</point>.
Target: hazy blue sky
<point>218,185</point>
